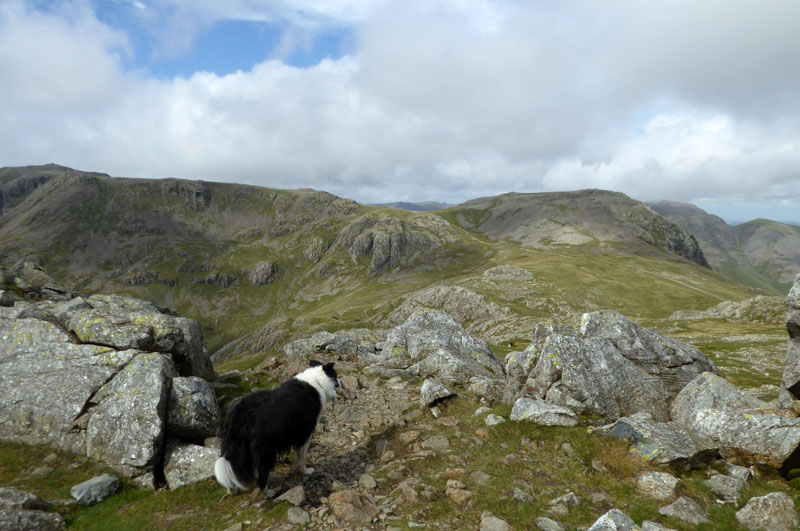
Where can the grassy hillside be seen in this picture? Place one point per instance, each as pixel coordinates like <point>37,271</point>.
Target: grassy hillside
<point>762,254</point>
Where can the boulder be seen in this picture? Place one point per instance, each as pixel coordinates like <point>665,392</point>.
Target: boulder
<point>686,510</point>
<point>12,498</point>
<point>433,391</point>
<point>542,413</point>
<point>185,464</point>
<point>28,520</point>
<point>49,382</point>
<point>658,485</point>
<point>490,522</point>
<point>614,520</point>
<point>263,273</point>
<point>125,323</point>
<point>430,343</point>
<point>95,490</point>
<point>660,442</point>
<point>768,513</point>
<point>126,429</point>
<point>351,509</point>
<point>613,367</point>
<point>726,488</point>
<point>359,341</point>
<point>718,415</point>
<point>193,413</point>
<point>791,373</point>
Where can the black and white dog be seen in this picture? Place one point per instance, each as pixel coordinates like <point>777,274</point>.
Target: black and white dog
<point>265,424</point>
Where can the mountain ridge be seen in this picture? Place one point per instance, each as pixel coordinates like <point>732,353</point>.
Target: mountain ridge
<point>327,261</point>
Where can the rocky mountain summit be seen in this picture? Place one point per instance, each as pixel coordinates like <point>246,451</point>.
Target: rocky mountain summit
<point>125,383</point>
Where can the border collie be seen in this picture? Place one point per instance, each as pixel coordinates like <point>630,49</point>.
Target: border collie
<point>265,424</point>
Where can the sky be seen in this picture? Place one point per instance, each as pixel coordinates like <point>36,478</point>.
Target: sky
<point>442,100</point>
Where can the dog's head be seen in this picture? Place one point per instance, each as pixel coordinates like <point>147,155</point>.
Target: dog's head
<point>330,372</point>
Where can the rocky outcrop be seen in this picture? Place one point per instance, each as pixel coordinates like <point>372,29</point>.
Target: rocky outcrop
<point>358,341</point>
<point>123,323</point>
<point>719,415</point>
<point>195,194</point>
<point>612,367</point>
<point>791,373</point>
<point>759,309</point>
<point>392,242</point>
<point>27,280</point>
<point>263,273</point>
<point>508,272</point>
<point>432,344</point>
<point>476,313</point>
<point>94,376</point>
<point>660,442</point>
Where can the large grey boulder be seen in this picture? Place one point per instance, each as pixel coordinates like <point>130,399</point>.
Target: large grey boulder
<point>188,463</point>
<point>612,367</point>
<point>193,413</point>
<point>125,323</point>
<point>769,513</point>
<point>660,442</point>
<point>718,415</point>
<point>126,429</point>
<point>358,341</point>
<point>791,373</point>
<point>433,391</point>
<point>49,382</point>
<point>430,343</point>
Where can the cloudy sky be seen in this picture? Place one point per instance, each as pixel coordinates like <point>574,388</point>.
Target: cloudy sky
<point>416,100</point>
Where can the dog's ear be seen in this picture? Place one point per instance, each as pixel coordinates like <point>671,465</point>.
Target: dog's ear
<point>314,363</point>
<point>329,366</point>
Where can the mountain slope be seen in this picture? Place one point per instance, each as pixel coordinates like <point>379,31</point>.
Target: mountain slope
<point>576,218</point>
<point>762,254</point>
<point>263,266</point>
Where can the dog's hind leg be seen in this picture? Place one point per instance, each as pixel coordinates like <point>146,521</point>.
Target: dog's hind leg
<point>263,468</point>
<point>300,459</point>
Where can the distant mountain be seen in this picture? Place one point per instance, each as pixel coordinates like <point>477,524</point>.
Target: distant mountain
<point>760,253</point>
<point>425,206</point>
<point>259,266</point>
<point>606,219</point>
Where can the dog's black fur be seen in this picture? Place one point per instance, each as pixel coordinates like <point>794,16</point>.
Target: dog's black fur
<point>266,424</point>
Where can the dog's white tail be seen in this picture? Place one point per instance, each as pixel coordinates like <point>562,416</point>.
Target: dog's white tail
<point>226,476</point>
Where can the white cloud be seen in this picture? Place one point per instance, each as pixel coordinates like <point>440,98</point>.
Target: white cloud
<point>440,100</point>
